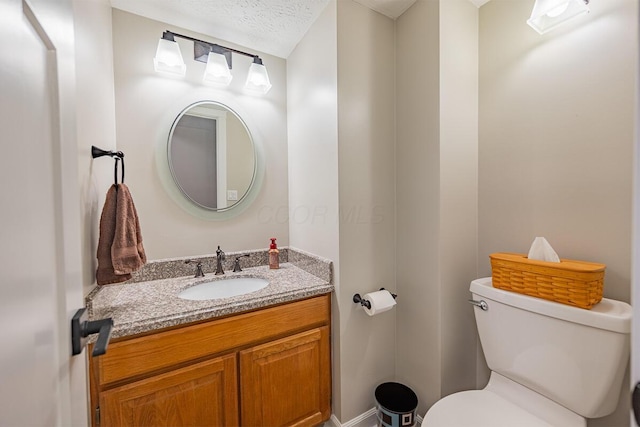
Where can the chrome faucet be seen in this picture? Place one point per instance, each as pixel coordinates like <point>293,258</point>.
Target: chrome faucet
<point>199,272</point>
<point>219,258</point>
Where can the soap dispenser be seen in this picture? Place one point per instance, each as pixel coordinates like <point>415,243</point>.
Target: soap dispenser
<point>274,262</point>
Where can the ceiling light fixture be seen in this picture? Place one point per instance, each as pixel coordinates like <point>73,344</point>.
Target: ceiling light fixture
<point>218,59</point>
<point>548,14</point>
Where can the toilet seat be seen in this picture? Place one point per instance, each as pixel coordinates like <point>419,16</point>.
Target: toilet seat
<point>479,408</point>
<point>502,403</point>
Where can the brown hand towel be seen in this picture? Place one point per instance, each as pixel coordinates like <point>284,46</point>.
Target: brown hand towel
<point>127,252</point>
<point>120,250</point>
<point>105,274</point>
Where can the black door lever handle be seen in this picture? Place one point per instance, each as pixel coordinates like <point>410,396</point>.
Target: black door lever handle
<point>81,328</point>
<point>635,403</point>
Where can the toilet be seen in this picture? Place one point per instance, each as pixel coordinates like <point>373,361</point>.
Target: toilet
<point>551,364</point>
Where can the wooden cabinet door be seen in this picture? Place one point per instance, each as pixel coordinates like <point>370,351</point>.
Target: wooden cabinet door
<point>287,382</point>
<point>203,394</point>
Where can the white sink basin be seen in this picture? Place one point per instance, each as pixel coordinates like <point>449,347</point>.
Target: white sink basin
<point>223,288</point>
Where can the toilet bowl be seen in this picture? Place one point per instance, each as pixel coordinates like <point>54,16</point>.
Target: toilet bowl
<point>551,364</point>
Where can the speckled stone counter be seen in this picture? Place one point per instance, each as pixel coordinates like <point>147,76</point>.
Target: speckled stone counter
<point>143,306</point>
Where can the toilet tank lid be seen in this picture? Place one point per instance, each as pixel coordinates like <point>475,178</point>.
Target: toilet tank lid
<point>608,314</point>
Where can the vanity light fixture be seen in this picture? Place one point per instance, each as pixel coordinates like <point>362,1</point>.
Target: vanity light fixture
<point>217,70</point>
<point>258,79</point>
<point>548,14</point>
<point>218,59</point>
<point>168,58</point>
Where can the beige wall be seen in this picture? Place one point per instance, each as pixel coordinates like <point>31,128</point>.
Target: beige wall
<point>366,132</point>
<point>556,139</point>
<point>458,191</point>
<point>418,211</point>
<point>417,208</point>
<point>437,152</point>
<point>147,103</point>
<point>312,120</point>
<point>96,121</point>
<point>346,149</point>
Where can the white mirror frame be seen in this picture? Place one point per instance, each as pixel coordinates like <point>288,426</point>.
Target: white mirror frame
<point>174,191</point>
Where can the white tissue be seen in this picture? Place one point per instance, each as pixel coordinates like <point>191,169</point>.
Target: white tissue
<point>381,301</point>
<point>542,250</point>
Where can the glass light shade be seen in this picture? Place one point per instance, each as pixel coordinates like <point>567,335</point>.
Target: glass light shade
<point>258,79</point>
<point>548,14</point>
<point>217,70</point>
<point>168,58</point>
<point>554,13</point>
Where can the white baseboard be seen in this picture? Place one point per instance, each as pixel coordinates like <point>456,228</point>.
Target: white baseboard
<point>367,419</point>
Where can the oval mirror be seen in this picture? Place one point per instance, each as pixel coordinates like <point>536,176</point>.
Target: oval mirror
<point>212,156</point>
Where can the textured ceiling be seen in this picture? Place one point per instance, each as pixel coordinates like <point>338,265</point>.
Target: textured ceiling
<point>391,8</point>
<point>271,26</point>
<point>395,8</point>
<point>479,3</point>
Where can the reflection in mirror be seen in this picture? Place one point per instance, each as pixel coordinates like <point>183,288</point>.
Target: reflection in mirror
<point>212,157</point>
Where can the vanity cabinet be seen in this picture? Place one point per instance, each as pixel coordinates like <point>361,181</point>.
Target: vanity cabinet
<point>179,397</point>
<point>269,367</point>
<point>283,382</point>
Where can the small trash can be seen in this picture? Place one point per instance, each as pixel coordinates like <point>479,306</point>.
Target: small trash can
<point>396,405</point>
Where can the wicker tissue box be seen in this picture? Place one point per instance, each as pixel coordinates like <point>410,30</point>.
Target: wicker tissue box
<point>576,283</point>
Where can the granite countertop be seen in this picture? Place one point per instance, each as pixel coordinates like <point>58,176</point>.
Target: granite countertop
<point>154,304</point>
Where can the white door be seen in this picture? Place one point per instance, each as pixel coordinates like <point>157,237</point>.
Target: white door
<point>41,384</point>
<point>635,272</point>
<point>635,285</point>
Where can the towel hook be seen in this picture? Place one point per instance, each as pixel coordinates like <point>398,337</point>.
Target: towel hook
<point>115,171</point>
<point>99,152</point>
<point>118,156</point>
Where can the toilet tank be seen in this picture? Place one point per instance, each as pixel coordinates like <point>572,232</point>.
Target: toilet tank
<point>573,356</point>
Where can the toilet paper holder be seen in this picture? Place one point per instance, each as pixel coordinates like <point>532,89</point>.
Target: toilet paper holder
<point>358,299</point>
